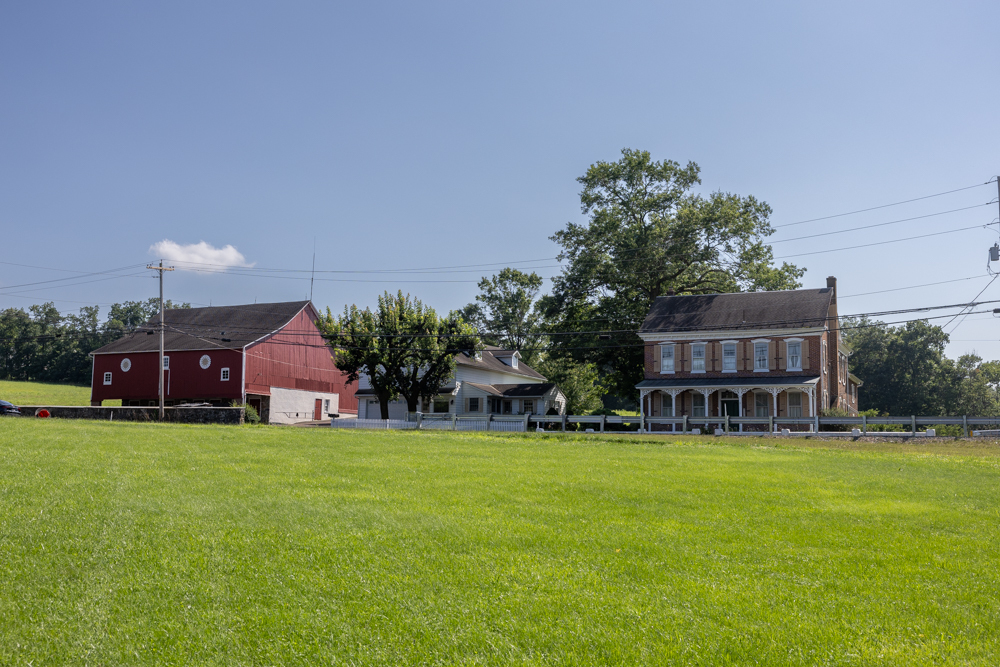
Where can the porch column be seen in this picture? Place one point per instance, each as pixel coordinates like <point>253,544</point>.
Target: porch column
<point>642,401</point>
<point>812,400</point>
<point>706,393</point>
<point>674,393</point>
<point>774,391</point>
<point>740,392</point>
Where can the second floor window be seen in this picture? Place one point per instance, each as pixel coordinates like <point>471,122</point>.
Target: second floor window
<point>697,358</point>
<point>760,357</point>
<point>794,356</point>
<point>729,356</point>
<point>667,359</point>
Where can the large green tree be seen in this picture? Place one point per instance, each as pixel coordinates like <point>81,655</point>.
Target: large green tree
<point>578,382</point>
<point>648,235</point>
<point>504,312</point>
<point>905,370</point>
<point>402,346</point>
<point>43,344</point>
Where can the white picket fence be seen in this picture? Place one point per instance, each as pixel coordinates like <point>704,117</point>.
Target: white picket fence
<point>430,423</point>
<point>384,424</point>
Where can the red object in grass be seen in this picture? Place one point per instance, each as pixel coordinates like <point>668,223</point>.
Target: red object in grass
<point>43,413</point>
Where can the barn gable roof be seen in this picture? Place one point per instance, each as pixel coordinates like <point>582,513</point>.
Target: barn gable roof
<point>787,309</point>
<point>213,328</point>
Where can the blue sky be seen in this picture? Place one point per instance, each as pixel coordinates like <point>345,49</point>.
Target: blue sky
<point>411,135</point>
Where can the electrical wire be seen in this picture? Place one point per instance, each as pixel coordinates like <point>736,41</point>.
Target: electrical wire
<point>877,243</point>
<point>875,208</point>
<point>882,224</point>
<point>899,289</point>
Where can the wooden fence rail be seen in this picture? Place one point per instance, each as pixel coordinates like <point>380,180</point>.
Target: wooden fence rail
<point>685,424</point>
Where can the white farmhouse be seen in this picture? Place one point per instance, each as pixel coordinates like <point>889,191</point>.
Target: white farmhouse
<point>493,381</point>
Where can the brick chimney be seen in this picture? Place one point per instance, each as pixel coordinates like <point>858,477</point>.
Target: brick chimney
<point>833,349</point>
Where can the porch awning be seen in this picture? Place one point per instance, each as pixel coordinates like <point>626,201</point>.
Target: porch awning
<point>726,383</point>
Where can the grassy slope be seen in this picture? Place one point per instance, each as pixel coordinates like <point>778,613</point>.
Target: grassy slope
<point>157,544</point>
<point>41,393</point>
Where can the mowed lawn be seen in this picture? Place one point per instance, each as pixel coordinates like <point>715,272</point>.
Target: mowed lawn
<point>173,545</point>
<point>43,393</point>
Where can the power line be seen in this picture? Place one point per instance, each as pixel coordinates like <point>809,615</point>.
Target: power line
<point>180,326</point>
<point>869,245</point>
<point>883,224</point>
<point>875,208</point>
<point>82,275</point>
<point>899,289</point>
<point>976,297</point>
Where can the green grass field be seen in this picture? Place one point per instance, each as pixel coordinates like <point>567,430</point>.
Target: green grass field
<point>41,393</point>
<point>128,544</point>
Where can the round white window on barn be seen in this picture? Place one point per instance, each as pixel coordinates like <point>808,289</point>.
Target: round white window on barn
<point>205,361</point>
<point>126,364</point>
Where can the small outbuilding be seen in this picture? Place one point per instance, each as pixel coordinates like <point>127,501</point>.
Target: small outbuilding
<point>268,355</point>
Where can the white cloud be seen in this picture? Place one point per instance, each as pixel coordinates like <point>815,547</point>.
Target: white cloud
<point>199,256</point>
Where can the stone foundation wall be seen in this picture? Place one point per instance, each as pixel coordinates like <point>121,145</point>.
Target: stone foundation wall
<point>136,414</point>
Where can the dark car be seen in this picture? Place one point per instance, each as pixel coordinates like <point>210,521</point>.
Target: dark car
<point>9,408</point>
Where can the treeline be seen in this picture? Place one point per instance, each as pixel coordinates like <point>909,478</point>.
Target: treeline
<point>906,372</point>
<point>41,344</point>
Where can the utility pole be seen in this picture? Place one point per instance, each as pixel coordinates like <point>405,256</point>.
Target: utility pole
<point>161,269</point>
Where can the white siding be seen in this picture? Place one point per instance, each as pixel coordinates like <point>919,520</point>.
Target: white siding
<point>289,406</point>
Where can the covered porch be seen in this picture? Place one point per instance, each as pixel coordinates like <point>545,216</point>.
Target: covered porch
<point>788,397</point>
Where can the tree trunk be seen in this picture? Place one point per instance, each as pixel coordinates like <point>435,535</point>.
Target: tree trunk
<point>383,404</point>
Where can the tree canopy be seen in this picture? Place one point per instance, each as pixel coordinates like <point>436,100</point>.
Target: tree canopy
<point>403,347</point>
<point>650,235</point>
<point>905,371</point>
<point>504,312</point>
<point>45,345</point>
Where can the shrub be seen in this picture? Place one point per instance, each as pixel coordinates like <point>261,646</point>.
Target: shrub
<point>880,428</point>
<point>250,415</point>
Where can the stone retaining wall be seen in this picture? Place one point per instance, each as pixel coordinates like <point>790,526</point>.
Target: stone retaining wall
<point>209,415</point>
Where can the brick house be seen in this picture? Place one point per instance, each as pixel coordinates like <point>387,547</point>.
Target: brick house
<point>756,354</point>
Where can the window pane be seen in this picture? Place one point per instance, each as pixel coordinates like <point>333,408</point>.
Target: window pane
<point>698,405</point>
<point>760,356</point>
<point>666,358</point>
<point>794,404</point>
<point>698,358</point>
<point>760,405</point>
<point>666,405</point>
<point>795,355</point>
<point>729,357</point>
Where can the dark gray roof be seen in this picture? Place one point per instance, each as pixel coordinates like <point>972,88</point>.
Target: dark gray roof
<point>524,390</point>
<point>488,388</point>
<point>490,362</point>
<point>227,327</point>
<point>788,309</point>
<point>527,389</point>
<point>683,383</point>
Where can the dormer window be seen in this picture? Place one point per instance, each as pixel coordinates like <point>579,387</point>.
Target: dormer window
<point>513,361</point>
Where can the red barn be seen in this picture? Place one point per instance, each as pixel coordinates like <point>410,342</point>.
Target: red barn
<point>268,355</point>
